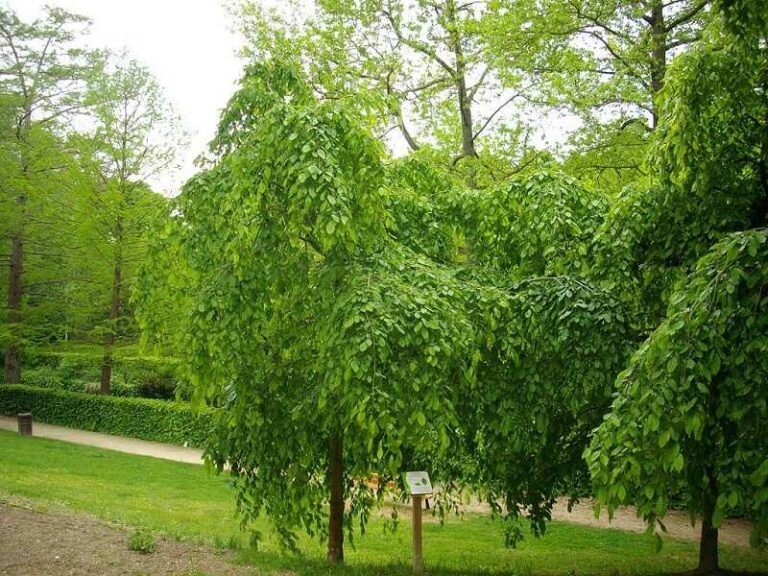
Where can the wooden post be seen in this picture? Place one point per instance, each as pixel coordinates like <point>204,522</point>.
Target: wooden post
<point>25,424</point>
<point>418,561</point>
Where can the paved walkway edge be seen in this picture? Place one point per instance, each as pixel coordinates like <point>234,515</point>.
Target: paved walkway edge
<point>117,443</point>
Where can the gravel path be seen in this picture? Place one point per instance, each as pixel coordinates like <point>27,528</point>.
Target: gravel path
<point>118,443</point>
<point>735,532</point>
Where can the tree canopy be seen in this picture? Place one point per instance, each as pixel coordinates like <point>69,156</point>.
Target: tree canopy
<point>520,244</point>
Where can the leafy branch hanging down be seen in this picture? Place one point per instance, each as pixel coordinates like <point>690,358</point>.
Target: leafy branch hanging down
<point>538,225</point>
<point>334,349</point>
<point>342,337</point>
<point>692,406</point>
<point>546,363</point>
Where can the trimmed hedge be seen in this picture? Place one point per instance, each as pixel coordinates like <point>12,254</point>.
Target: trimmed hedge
<point>157,420</point>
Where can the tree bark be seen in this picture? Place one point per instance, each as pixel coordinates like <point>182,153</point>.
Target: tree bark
<point>708,553</point>
<point>12,371</point>
<point>465,104</point>
<point>114,316</point>
<point>760,209</point>
<point>12,368</point>
<point>336,518</point>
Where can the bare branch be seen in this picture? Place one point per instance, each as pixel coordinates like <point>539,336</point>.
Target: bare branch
<point>472,91</point>
<point>685,16</point>
<point>415,44</point>
<point>495,112</point>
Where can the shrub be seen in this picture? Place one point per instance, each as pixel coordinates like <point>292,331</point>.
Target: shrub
<point>45,376</point>
<point>80,371</point>
<point>152,378</point>
<point>142,540</point>
<point>79,368</point>
<point>157,420</point>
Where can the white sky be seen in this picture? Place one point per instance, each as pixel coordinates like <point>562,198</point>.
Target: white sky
<point>188,46</point>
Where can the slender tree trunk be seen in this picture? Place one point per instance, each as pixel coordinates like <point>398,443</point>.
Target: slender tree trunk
<point>12,372</point>
<point>760,210</point>
<point>465,104</point>
<point>658,54</point>
<point>114,316</point>
<point>12,368</point>
<point>467,136</point>
<point>708,553</point>
<point>336,519</point>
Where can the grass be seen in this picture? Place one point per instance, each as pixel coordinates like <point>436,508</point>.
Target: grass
<point>186,502</point>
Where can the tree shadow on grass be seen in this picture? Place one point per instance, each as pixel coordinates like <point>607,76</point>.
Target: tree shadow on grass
<point>720,572</point>
<point>287,565</point>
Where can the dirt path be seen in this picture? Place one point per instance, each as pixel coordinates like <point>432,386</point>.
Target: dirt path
<point>735,532</point>
<point>59,543</point>
<point>118,443</point>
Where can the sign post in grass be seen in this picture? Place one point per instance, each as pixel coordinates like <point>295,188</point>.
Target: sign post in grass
<point>418,485</point>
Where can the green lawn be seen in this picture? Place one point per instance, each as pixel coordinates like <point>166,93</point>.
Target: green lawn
<point>187,502</point>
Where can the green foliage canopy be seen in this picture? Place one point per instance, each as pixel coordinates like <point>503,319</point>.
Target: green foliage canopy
<point>539,225</point>
<point>323,304</point>
<point>307,320</point>
<point>692,406</point>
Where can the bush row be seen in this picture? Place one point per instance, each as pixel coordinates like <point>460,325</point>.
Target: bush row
<point>158,420</point>
<point>81,372</point>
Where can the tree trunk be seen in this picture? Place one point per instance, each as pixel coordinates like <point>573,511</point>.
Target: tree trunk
<point>114,316</point>
<point>336,519</point>
<point>12,369</point>
<point>467,136</point>
<point>760,209</point>
<point>12,372</point>
<point>708,556</point>
<point>465,105</point>
<point>658,55</point>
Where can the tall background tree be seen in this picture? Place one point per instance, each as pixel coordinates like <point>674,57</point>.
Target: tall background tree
<point>136,137</point>
<point>84,132</point>
<point>417,70</point>
<point>605,61</point>
<point>42,77</point>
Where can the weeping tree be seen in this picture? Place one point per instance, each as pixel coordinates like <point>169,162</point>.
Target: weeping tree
<point>334,349</point>
<point>691,408</point>
<point>546,364</point>
<point>548,343</point>
<point>336,317</point>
